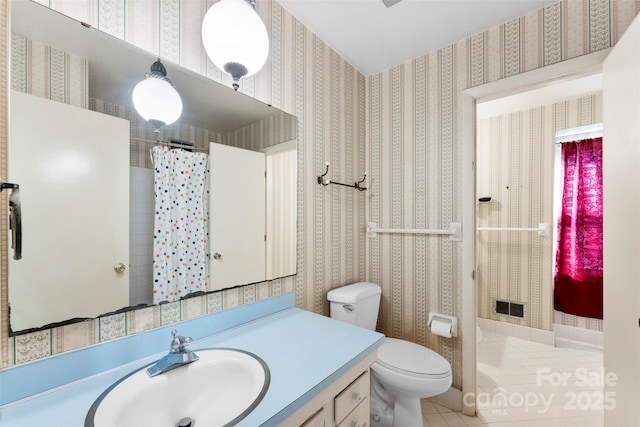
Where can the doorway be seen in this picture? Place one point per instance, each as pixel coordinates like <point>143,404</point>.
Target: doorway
<point>563,72</point>
<point>621,106</point>
<point>518,361</point>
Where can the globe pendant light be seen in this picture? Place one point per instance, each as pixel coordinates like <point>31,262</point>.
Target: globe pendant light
<point>156,99</point>
<point>235,38</point>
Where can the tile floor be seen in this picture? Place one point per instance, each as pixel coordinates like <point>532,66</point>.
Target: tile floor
<point>523,383</point>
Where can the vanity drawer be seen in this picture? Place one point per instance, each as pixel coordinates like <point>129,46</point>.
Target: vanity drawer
<point>359,417</point>
<point>351,396</point>
<point>319,419</point>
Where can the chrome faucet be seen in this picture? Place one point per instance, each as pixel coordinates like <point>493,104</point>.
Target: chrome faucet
<point>178,356</point>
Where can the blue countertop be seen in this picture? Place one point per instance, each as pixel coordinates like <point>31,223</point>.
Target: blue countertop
<point>305,353</point>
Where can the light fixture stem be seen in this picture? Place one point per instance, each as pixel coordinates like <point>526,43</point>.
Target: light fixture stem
<point>252,3</point>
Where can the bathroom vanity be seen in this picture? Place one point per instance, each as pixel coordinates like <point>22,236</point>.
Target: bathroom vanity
<point>319,368</point>
<point>344,403</point>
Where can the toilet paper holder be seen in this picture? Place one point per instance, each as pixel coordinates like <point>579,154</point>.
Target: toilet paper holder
<point>440,318</point>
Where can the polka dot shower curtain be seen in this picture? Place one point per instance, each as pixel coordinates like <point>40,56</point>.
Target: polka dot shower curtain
<point>179,241</point>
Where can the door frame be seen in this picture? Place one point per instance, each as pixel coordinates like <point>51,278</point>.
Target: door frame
<point>563,71</point>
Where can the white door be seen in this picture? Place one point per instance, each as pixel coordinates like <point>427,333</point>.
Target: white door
<point>72,166</point>
<point>621,191</point>
<point>236,216</point>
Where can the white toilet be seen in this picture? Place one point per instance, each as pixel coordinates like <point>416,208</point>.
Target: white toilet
<point>404,373</point>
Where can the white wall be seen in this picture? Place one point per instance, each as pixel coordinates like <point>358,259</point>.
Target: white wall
<point>141,236</point>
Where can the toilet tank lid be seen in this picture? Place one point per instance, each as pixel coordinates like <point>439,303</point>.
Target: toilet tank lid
<point>353,293</point>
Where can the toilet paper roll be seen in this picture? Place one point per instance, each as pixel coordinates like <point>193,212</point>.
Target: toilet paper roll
<point>441,327</point>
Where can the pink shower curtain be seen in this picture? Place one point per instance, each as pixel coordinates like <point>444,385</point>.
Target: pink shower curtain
<point>578,275</point>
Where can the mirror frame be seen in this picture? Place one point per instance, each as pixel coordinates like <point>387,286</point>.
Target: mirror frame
<point>5,42</point>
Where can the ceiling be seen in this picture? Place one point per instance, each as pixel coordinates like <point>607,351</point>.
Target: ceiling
<point>374,38</point>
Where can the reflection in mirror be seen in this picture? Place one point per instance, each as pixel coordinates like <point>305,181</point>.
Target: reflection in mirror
<point>69,191</point>
<point>281,169</point>
<point>85,72</point>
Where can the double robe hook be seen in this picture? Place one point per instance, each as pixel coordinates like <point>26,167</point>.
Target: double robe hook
<point>325,182</point>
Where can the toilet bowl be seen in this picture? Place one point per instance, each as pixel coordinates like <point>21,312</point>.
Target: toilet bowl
<point>404,373</point>
<point>406,367</point>
<point>407,372</point>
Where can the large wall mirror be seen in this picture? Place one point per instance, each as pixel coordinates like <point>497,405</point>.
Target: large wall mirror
<point>88,249</point>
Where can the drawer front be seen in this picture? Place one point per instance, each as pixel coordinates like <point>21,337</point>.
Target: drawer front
<point>359,417</point>
<point>316,420</point>
<point>351,396</point>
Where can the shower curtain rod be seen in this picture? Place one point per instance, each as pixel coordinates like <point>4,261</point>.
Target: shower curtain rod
<point>579,133</point>
<point>171,144</point>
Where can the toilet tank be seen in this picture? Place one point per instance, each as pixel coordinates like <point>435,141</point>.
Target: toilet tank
<point>356,304</point>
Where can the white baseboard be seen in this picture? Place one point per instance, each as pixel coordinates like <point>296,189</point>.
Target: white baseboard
<point>572,337</point>
<point>562,336</point>
<point>524,332</point>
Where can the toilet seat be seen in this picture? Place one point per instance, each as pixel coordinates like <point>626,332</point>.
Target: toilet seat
<point>412,359</point>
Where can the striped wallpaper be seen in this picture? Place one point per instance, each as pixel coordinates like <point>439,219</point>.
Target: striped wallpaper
<point>401,125</point>
<point>48,72</point>
<point>302,77</point>
<point>515,166</point>
<point>413,136</point>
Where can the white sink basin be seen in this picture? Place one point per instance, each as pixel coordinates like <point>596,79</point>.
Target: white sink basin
<point>219,389</point>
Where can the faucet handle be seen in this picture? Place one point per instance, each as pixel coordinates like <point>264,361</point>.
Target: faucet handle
<point>178,343</point>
